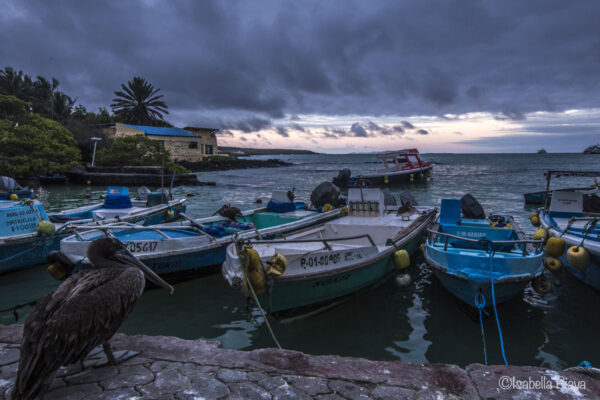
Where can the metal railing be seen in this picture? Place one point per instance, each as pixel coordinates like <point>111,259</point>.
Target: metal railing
<point>433,234</point>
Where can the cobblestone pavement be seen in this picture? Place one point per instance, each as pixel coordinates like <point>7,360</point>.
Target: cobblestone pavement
<point>173,368</point>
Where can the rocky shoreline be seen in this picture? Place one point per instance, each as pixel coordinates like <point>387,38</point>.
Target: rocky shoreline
<point>224,163</point>
<point>173,368</point>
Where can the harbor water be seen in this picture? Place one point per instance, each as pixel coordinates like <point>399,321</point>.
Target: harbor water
<point>421,322</point>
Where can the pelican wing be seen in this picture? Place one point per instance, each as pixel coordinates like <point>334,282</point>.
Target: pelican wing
<point>82,313</point>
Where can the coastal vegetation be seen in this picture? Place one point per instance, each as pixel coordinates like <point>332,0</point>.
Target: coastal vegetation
<point>136,150</point>
<point>31,144</point>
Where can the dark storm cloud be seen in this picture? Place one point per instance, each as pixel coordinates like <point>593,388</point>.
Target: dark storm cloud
<point>225,132</point>
<point>297,127</point>
<point>246,125</point>
<point>282,131</point>
<point>398,129</point>
<point>510,114</point>
<point>423,132</point>
<point>407,125</point>
<point>358,130</point>
<point>275,58</point>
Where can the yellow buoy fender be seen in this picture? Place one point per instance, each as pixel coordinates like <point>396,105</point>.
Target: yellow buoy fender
<point>89,182</point>
<point>540,234</point>
<point>277,265</point>
<point>45,228</point>
<point>541,284</point>
<point>401,259</point>
<point>344,210</point>
<point>253,271</point>
<point>412,177</point>
<point>385,179</point>
<point>57,271</point>
<point>553,263</point>
<point>13,197</point>
<point>535,219</point>
<point>578,257</point>
<point>555,247</point>
<point>422,247</point>
<point>170,213</point>
<point>327,207</point>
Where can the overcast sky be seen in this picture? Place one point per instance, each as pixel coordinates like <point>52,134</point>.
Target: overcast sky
<point>333,76</point>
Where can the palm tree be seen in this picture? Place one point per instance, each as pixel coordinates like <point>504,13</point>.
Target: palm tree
<point>139,103</point>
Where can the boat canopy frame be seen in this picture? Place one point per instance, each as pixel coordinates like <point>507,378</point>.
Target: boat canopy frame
<point>393,156</point>
<point>558,173</point>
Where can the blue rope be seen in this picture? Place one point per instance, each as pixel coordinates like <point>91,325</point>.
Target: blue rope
<point>585,364</point>
<point>480,304</point>
<point>492,251</point>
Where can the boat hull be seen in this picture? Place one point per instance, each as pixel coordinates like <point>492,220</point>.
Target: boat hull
<point>295,294</point>
<point>393,178</point>
<point>466,290</point>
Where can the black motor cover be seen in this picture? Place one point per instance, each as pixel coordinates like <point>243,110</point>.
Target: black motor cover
<point>325,193</point>
<point>471,207</point>
<point>591,203</point>
<point>342,177</point>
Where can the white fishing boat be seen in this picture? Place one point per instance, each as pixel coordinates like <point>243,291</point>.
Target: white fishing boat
<point>331,260</point>
<point>194,244</point>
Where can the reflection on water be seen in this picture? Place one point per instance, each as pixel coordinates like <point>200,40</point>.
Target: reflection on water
<point>421,322</point>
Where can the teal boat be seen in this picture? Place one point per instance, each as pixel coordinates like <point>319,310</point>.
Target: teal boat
<point>334,259</point>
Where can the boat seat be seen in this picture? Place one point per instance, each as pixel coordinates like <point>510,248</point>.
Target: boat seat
<point>450,211</point>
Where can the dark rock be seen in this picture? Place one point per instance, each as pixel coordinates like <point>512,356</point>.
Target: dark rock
<point>86,391</point>
<point>167,381</point>
<point>350,390</point>
<point>92,375</point>
<point>247,391</point>
<point>120,394</point>
<point>202,386</point>
<point>308,384</point>
<point>8,355</point>
<point>231,375</point>
<point>392,393</point>
<point>128,376</point>
<point>288,392</point>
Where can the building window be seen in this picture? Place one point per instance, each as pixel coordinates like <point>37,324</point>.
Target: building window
<point>193,145</point>
<point>208,149</point>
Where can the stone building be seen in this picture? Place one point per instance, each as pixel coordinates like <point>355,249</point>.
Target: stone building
<point>187,144</point>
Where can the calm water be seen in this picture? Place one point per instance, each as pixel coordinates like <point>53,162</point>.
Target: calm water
<point>418,323</point>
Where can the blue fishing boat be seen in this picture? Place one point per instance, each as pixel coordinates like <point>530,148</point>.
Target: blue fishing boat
<point>194,244</point>
<point>155,208</point>
<point>332,260</point>
<point>574,219</point>
<point>474,257</point>
<point>23,245</point>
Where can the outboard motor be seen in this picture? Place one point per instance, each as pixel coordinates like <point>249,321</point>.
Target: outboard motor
<point>342,177</point>
<point>471,207</point>
<point>143,192</point>
<point>325,193</point>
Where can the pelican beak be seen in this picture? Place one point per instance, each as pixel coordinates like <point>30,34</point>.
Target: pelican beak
<point>125,256</point>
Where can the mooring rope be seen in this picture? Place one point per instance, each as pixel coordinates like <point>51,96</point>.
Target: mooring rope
<point>480,304</point>
<point>263,313</point>
<point>492,251</point>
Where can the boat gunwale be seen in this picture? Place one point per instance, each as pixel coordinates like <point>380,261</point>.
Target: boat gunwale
<point>212,244</point>
<point>398,240</point>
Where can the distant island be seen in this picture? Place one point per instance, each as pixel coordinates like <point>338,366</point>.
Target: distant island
<point>245,151</point>
<point>542,151</point>
<point>593,149</point>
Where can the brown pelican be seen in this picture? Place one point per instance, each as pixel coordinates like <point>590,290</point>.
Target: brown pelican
<point>85,311</point>
<point>229,212</point>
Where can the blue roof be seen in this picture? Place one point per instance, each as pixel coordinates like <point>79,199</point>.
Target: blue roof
<point>155,130</point>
